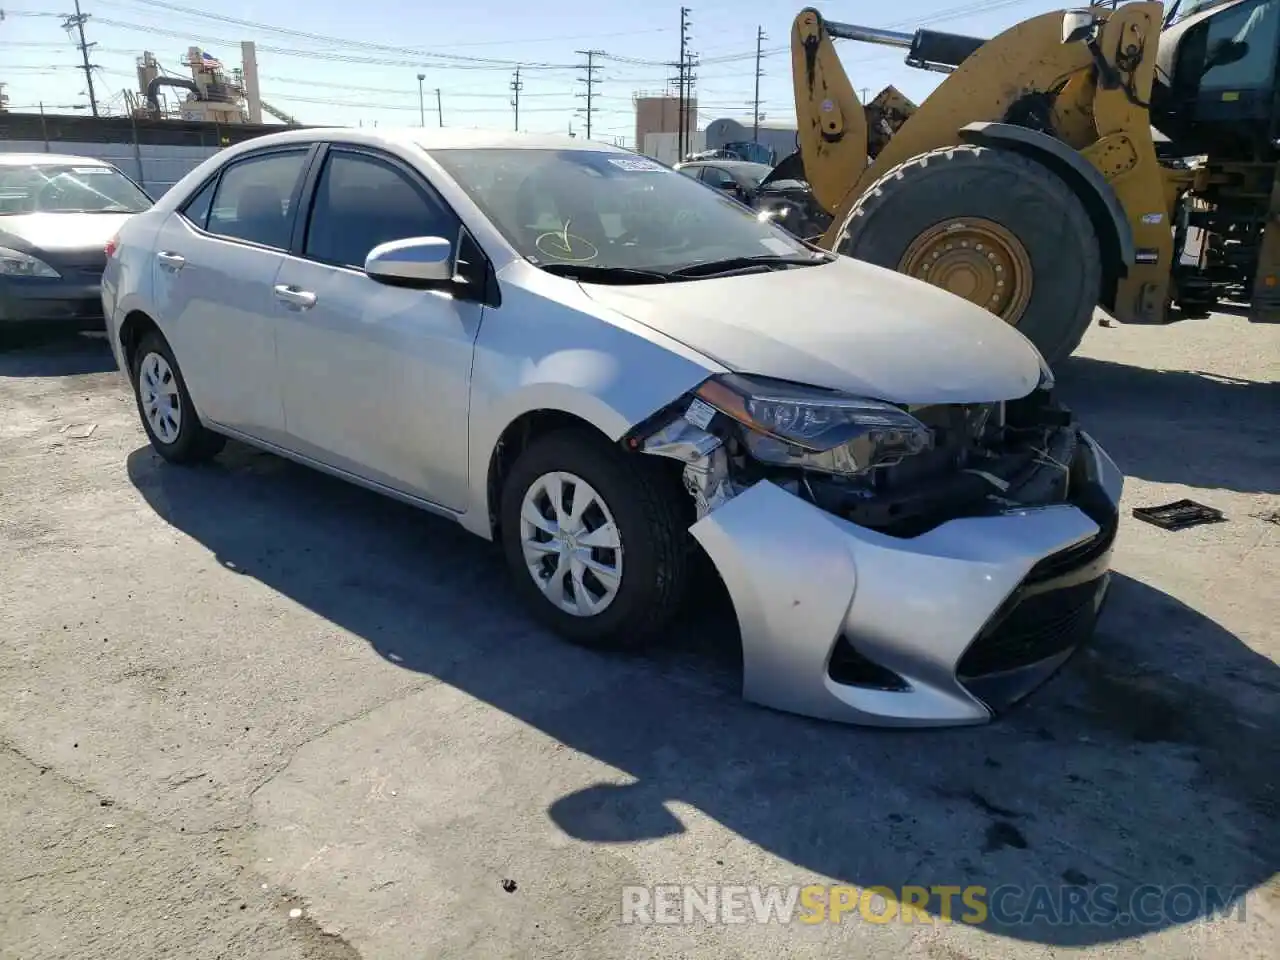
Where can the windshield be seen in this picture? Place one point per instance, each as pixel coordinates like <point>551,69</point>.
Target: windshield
<point>753,173</point>
<point>589,208</point>
<point>48,188</point>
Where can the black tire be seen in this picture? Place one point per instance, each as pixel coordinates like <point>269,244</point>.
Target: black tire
<point>1019,194</point>
<point>193,443</point>
<point>652,515</point>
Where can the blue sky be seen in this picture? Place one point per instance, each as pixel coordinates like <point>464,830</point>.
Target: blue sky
<point>361,60</point>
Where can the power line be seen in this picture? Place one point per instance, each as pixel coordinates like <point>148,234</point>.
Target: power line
<point>409,58</point>
<point>407,107</point>
<point>348,51</point>
<point>319,37</point>
<point>287,31</point>
<point>591,81</point>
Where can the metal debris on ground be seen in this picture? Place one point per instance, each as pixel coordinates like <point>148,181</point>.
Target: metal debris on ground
<point>1179,515</point>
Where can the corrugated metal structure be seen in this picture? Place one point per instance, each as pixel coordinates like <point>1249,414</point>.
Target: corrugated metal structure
<point>155,153</point>
<point>780,138</point>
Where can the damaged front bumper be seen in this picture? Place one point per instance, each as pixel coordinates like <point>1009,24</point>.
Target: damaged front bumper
<point>949,627</point>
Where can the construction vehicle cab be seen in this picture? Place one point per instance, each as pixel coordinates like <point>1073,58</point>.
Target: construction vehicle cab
<point>1217,67</point>
<point>1030,181</point>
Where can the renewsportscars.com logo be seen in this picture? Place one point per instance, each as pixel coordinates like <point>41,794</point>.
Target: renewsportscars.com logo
<point>1007,905</point>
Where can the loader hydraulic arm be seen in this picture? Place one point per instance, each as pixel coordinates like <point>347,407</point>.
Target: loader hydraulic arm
<point>926,49</point>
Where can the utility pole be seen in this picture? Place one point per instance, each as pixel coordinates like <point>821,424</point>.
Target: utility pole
<point>422,108</point>
<point>755,114</point>
<point>682,80</point>
<point>591,80</point>
<point>516,87</point>
<point>439,108</point>
<point>78,21</point>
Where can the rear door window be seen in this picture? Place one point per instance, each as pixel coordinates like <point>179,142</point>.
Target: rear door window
<point>253,199</point>
<point>197,208</point>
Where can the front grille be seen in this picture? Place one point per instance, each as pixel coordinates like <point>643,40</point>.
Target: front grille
<point>1033,627</point>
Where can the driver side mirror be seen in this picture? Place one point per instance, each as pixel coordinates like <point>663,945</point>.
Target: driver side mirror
<point>1078,26</point>
<point>413,262</point>
<point>1225,51</point>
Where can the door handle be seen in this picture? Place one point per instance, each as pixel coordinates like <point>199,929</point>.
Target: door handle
<point>302,299</point>
<point>171,261</point>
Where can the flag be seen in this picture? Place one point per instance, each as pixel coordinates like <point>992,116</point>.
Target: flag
<point>213,63</point>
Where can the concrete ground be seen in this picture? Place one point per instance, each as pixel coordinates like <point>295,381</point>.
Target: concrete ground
<point>249,712</point>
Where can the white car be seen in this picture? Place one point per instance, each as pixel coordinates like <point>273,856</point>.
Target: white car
<point>607,368</point>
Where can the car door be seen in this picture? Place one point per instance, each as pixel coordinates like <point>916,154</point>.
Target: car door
<point>216,260</point>
<point>375,378</point>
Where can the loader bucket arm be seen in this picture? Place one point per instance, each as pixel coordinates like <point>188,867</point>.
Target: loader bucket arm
<point>830,120</point>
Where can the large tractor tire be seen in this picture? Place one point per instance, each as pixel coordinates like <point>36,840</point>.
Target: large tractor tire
<point>992,226</point>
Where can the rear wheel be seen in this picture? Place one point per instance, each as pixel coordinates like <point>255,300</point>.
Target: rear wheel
<point>170,420</point>
<point>996,228</point>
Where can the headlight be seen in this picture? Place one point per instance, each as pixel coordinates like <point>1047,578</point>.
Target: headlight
<point>815,429</point>
<point>16,264</point>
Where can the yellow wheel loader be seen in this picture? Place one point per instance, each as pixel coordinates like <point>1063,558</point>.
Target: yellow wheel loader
<point>1093,157</point>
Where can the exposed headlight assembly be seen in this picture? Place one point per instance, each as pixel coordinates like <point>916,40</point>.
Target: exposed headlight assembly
<point>14,263</point>
<point>811,428</point>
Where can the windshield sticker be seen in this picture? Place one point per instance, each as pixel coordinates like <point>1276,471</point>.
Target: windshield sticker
<point>91,170</point>
<point>638,165</point>
<point>566,247</point>
<point>780,247</point>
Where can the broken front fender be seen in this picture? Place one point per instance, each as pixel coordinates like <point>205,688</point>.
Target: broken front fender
<point>803,580</point>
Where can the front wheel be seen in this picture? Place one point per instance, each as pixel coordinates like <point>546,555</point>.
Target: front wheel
<point>999,229</point>
<point>595,538</point>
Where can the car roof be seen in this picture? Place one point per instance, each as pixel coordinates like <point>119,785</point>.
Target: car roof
<point>434,138</point>
<point>49,159</point>
<point>741,165</point>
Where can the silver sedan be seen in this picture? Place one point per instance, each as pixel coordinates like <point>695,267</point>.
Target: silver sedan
<point>609,369</point>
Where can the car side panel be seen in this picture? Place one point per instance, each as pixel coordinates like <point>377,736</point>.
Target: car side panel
<point>374,379</point>
<point>218,314</point>
<point>550,347</point>
<point>127,280</point>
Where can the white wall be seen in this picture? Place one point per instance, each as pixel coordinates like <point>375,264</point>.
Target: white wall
<point>665,146</point>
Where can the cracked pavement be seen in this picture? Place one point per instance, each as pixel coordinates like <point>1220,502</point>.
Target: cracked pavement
<point>248,711</point>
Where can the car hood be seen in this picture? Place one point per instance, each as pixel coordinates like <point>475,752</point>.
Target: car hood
<point>846,325</point>
<point>61,232</point>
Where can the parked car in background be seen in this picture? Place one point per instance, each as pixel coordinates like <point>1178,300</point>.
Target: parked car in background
<point>57,214</point>
<point>600,364</point>
<point>737,150</point>
<point>789,203</point>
